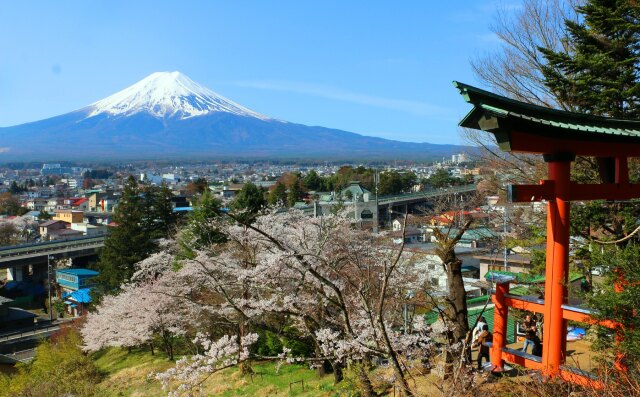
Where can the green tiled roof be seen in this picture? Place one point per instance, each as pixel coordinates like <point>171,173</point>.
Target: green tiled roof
<point>432,317</point>
<point>525,278</point>
<point>501,115</point>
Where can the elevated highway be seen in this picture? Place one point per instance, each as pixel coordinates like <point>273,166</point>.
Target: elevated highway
<point>35,253</point>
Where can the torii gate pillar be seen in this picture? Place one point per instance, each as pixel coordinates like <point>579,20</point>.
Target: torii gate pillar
<point>557,268</point>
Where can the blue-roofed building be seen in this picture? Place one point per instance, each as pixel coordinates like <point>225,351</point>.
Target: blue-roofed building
<point>77,302</point>
<point>70,280</point>
<point>74,287</point>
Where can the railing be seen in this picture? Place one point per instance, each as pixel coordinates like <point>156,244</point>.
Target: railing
<point>36,330</point>
<point>33,249</point>
<point>427,193</point>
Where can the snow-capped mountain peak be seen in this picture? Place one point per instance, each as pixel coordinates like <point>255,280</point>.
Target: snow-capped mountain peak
<point>168,94</point>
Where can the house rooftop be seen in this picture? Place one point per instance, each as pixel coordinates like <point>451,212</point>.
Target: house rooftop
<point>79,272</point>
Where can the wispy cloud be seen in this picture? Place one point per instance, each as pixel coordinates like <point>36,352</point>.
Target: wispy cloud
<point>4,149</point>
<point>408,106</point>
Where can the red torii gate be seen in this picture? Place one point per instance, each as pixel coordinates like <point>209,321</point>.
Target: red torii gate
<point>559,136</point>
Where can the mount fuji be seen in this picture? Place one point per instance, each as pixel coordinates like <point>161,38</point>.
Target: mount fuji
<point>168,115</point>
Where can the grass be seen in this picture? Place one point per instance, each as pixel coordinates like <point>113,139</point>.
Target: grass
<point>268,380</point>
<point>126,374</point>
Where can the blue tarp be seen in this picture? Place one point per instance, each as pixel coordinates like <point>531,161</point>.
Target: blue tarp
<point>82,295</point>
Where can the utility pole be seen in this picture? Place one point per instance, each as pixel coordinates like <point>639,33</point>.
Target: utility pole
<point>504,232</point>
<point>377,215</point>
<point>49,257</point>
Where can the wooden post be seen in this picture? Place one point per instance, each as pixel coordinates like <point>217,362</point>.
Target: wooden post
<point>557,263</point>
<point>500,317</point>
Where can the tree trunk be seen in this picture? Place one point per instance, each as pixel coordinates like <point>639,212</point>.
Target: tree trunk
<point>457,308</point>
<point>365,383</point>
<point>338,374</point>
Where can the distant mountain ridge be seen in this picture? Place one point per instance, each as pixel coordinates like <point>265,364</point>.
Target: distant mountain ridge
<point>168,115</point>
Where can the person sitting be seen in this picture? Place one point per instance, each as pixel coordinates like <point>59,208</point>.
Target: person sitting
<point>537,344</point>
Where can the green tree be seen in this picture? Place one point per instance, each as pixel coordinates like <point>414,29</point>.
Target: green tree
<point>44,215</point>
<point>295,192</point>
<point>313,181</point>
<point>394,182</point>
<point>250,199</point>
<point>60,368</point>
<point>440,179</point>
<point>278,196</point>
<point>201,230</point>
<point>600,74</point>
<point>617,300</point>
<point>127,243</point>
<point>158,210</point>
<point>14,188</point>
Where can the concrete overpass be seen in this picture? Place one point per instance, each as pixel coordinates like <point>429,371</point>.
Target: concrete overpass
<point>371,210</point>
<point>16,257</point>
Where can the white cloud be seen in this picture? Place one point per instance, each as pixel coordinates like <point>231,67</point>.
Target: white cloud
<point>339,94</point>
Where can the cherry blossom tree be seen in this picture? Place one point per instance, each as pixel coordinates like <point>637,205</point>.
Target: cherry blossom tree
<point>339,286</point>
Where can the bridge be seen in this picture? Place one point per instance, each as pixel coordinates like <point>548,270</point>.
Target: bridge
<point>376,211</point>
<point>410,198</point>
<point>16,258</point>
<point>38,252</point>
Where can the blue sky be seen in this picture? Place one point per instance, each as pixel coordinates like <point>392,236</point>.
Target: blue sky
<point>371,67</point>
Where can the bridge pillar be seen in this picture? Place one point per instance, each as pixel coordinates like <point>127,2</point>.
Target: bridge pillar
<point>15,273</point>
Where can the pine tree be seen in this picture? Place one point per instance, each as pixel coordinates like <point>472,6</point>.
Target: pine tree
<point>601,74</point>
<point>201,231</point>
<point>295,193</point>
<point>158,208</point>
<point>127,243</point>
<point>249,199</point>
<point>278,195</point>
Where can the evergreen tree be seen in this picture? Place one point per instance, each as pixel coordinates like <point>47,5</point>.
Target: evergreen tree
<point>127,243</point>
<point>250,199</point>
<point>201,231</point>
<point>313,181</point>
<point>14,188</point>
<point>44,215</point>
<point>295,193</point>
<point>600,75</point>
<point>278,196</point>
<point>159,208</point>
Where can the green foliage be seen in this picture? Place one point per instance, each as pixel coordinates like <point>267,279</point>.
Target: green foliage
<point>128,243</point>
<point>313,181</point>
<point>295,192</point>
<point>44,215</point>
<point>201,231</point>
<point>346,174</point>
<point>249,200</point>
<point>158,219</point>
<point>394,182</point>
<point>270,344</point>
<point>600,73</point>
<point>278,196</point>
<point>619,306</point>
<point>9,205</point>
<point>441,178</point>
<point>60,368</point>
